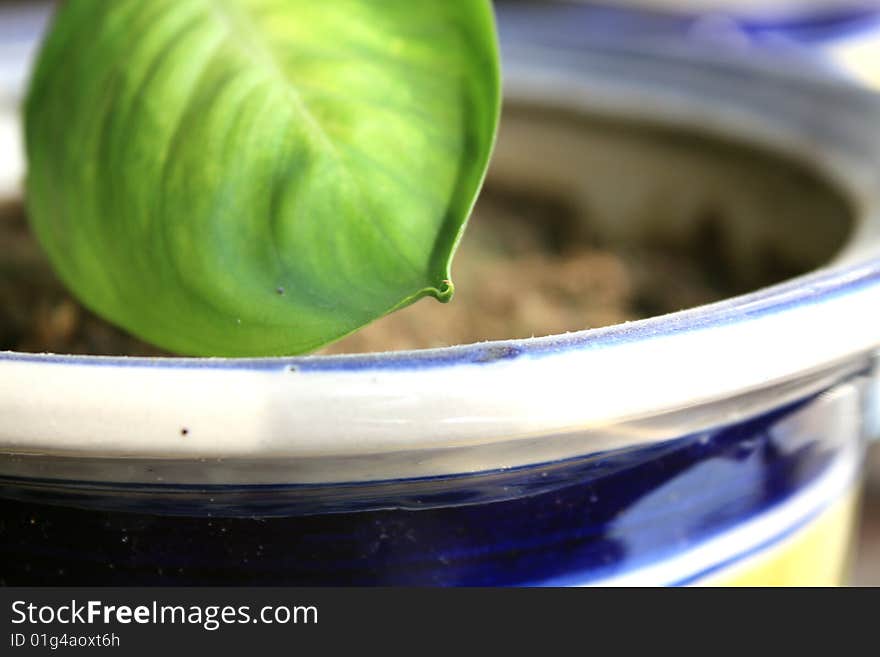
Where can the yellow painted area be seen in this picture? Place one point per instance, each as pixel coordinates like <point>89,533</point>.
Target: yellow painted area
<point>817,555</point>
<point>860,58</point>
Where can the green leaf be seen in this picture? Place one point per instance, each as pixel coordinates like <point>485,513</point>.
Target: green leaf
<point>258,177</point>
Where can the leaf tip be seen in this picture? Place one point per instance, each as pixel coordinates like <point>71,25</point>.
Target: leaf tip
<point>445,291</point>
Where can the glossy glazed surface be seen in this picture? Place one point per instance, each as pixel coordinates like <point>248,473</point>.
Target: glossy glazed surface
<point>668,514</point>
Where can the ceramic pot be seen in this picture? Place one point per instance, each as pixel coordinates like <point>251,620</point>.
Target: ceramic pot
<point>719,444</point>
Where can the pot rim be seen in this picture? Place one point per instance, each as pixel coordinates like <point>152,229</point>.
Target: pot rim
<point>427,412</point>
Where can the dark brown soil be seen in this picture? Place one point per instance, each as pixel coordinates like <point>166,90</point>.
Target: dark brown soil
<point>524,269</point>
<point>527,267</point>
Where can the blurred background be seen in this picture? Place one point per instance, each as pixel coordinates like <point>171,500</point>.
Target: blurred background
<point>813,37</point>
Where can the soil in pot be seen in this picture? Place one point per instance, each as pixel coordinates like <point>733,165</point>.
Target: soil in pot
<point>584,222</point>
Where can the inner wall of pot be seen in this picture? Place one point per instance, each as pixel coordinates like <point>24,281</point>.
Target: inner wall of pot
<point>585,221</point>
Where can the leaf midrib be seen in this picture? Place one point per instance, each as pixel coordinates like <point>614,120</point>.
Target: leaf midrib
<point>238,23</point>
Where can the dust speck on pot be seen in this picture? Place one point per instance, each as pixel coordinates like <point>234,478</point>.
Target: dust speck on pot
<point>499,352</point>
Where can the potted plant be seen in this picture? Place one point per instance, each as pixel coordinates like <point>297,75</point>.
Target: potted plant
<point>720,443</point>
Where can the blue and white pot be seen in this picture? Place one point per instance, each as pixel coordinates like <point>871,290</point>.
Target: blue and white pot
<point>720,444</point>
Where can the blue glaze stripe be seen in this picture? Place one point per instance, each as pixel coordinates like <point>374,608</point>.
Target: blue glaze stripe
<point>602,520</point>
